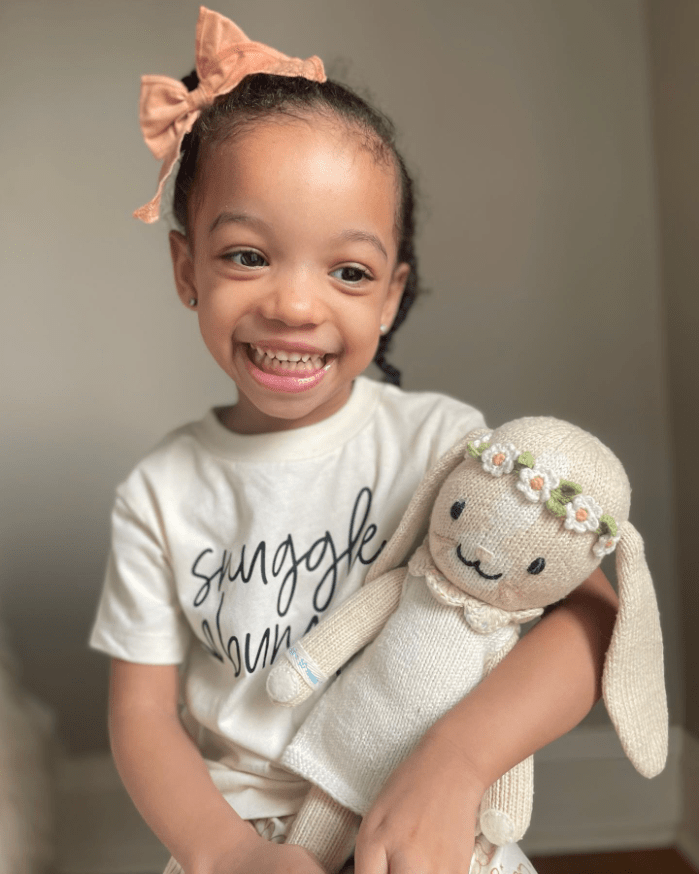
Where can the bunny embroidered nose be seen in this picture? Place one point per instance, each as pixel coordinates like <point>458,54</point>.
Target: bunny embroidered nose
<point>483,554</point>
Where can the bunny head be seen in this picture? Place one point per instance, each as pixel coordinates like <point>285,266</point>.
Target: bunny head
<point>518,518</point>
<point>528,514</point>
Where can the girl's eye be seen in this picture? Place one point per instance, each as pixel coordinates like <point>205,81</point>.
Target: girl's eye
<point>247,258</point>
<point>351,274</point>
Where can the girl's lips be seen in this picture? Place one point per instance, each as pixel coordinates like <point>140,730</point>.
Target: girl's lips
<point>289,374</point>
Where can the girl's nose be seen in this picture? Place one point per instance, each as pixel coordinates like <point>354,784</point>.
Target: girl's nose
<point>294,300</point>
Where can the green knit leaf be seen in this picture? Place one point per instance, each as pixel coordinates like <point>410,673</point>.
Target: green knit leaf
<point>476,451</point>
<point>566,491</point>
<point>555,506</point>
<point>526,459</point>
<point>607,526</point>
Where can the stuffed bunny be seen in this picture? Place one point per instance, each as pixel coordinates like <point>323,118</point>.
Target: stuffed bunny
<point>518,519</point>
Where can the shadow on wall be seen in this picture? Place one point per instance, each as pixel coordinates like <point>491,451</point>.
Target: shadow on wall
<point>27,759</point>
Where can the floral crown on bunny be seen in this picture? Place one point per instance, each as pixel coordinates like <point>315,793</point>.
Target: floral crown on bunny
<point>560,496</point>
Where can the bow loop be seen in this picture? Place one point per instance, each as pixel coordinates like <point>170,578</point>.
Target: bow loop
<point>224,57</point>
<point>215,34</point>
<point>165,113</point>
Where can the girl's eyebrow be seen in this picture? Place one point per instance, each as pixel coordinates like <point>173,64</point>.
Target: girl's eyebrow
<point>363,237</point>
<point>238,218</point>
<point>348,235</point>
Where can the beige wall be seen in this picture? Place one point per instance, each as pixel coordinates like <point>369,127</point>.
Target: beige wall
<point>528,127</point>
<point>673,30</point>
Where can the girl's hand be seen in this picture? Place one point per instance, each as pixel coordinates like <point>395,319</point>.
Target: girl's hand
<point>424,819</point>
<point>255,855</point>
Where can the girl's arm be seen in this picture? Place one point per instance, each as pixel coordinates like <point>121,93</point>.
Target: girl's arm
<point>170,785</point>
<point>541,690</point>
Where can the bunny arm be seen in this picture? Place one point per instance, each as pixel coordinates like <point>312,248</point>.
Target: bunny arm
<point>339,636</point>
<point>506,807</point>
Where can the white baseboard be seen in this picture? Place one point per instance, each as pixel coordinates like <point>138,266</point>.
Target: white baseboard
<point>588,797</point>
<point>688,837</point>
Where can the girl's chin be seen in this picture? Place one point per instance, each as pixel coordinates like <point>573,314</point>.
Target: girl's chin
<point>263,411</point>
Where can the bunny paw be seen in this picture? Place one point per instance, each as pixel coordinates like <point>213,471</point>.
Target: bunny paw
<point>497,826</point>
<point>284,685</point>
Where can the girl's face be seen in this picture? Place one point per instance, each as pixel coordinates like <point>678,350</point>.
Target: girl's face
<point>291,257</point>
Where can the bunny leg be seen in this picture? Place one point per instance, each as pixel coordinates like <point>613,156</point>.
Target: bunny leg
<point>326,829</point>
<point>506,807</point>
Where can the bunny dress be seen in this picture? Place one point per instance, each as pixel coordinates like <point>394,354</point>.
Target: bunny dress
<point>436,646</point>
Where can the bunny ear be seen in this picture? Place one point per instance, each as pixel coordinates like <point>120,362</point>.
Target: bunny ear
<point>633,681</point>
<point>416,517</point>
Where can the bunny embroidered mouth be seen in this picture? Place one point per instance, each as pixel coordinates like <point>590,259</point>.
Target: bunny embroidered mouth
<point>476,565</point>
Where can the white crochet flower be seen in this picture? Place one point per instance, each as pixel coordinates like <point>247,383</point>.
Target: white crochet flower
<point>536,483</point>
<point>583,514</point>
<point>481,440</point>
<point>499,458</point>
<point>605,545</point>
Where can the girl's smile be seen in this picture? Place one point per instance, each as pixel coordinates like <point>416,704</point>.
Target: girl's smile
<point>291,258</point>
<point>292,370</point>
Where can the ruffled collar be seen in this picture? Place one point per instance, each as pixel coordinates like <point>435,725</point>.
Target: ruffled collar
<point>482,617</point>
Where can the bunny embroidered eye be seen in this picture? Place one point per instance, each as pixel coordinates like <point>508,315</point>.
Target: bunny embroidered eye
<point>536,566</point>
<point>457,509</point>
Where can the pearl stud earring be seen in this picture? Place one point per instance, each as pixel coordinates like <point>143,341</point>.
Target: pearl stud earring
<point>192,302</point>
<point>383,329</point>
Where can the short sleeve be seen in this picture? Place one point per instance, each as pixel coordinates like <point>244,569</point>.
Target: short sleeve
<point>139,618</point>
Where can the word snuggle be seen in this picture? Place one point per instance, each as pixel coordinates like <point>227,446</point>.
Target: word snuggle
<point>326,561</point>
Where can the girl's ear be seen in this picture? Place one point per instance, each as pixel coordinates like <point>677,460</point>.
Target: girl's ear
<point>183,268</point>
<point>395,292</point>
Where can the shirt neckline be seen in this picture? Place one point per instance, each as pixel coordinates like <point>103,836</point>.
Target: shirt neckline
<point>296,444</point>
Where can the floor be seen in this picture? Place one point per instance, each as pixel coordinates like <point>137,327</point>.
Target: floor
<point>636,862</point>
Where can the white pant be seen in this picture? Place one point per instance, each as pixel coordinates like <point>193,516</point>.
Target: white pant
<point>487,858</point>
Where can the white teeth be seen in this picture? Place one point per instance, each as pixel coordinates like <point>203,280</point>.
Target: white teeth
<point>292,361</point>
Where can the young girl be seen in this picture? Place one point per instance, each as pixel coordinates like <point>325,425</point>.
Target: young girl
<point>239,531</point>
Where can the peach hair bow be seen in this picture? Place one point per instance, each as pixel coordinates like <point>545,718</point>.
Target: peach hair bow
<point>224,56</point>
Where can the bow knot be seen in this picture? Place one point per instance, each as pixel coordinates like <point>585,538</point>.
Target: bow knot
<point>224,57</point>
<point>199,98</point>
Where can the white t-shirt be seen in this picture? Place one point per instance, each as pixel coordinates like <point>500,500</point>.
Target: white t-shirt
<point>226,548</point>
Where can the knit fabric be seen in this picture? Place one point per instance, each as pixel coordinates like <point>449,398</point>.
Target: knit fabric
<point>424,661</point>
<point>326,829</point>
<point>633,681</point>
<point>479,615</point>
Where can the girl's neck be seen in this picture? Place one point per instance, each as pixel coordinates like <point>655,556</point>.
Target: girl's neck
<point>244,418</point>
